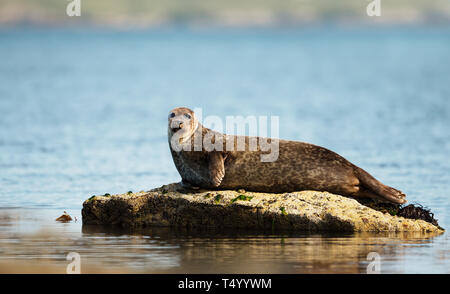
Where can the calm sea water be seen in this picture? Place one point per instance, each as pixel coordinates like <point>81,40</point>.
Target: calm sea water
<point>84,112</point>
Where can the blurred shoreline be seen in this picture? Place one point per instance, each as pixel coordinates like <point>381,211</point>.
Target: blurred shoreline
<point>223,14</point>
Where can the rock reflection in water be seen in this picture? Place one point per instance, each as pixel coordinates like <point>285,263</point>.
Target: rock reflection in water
<point>231,251</point>
<point>30,241</point>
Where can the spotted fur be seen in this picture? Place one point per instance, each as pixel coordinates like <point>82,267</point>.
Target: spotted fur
<point>300,166</point>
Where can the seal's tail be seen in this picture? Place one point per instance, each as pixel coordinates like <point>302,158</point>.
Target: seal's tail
<point>385,192</point>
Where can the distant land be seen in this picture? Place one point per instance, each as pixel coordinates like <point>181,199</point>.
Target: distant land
<point>228,13</point>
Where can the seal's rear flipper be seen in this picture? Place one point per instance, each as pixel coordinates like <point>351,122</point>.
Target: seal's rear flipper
<point>383,192</point>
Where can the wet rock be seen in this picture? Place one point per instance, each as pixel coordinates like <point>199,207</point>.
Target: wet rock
<point>64,218</point>
<point>172,205</point>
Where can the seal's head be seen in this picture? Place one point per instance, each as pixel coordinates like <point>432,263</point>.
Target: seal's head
<point>183,122</point>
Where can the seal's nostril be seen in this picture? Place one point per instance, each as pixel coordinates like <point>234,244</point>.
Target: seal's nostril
<point>181,125</point>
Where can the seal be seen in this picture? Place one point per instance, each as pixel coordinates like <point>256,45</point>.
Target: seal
<point>298,166</point>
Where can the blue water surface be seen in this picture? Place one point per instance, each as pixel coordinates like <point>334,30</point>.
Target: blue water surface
<point>84,111</point>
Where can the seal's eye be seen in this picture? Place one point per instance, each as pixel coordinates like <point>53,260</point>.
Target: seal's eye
<point>172,115</point>
<point>187,115</point>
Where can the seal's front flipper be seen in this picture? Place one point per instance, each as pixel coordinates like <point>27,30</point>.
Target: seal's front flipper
<point>216,168</point>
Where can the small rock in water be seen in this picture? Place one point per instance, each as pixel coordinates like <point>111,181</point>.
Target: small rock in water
<point>64,218</point>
